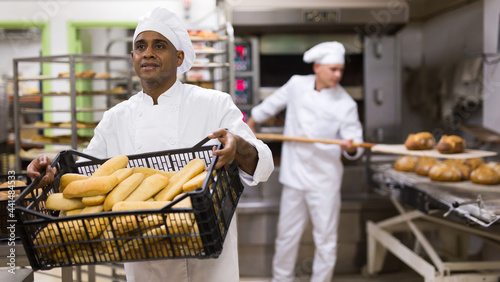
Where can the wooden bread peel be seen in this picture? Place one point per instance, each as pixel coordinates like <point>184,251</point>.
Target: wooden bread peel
<point>278,137</point>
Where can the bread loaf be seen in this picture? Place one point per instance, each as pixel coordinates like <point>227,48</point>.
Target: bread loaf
<point>495,166</point>
<point>123,190</point>
<point>93,200</point>
<point>451,144</point>
<point>485,175</point>
<point>68,178</point>
<point>139,205</point>
<point>111,165</point>
<point>58,202</point>
<point>424,164</point>
<point>405,163</point>
<point>474,162</point>
<point>420,141</point>
<point>443,172</point>
<point>174,187</point>
<point>93,186</point>
<point>148,188</point>
<point>195,182</point>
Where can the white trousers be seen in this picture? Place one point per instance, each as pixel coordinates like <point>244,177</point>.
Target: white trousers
<point>323,207</point>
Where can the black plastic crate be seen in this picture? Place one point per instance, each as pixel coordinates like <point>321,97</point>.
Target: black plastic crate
<point>7,205</point>
<point>168,233</point>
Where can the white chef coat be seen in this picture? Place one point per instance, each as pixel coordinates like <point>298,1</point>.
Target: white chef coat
<point>184,115</point>
<point>330,114</point>
<point>310,172</point>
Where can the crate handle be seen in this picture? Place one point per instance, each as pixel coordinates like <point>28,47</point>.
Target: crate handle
<point>202,142</point>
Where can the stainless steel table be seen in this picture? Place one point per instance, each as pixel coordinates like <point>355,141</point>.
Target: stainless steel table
<point>453,211</point>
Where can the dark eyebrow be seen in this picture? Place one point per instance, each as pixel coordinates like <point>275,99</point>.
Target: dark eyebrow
<point>154,41</point>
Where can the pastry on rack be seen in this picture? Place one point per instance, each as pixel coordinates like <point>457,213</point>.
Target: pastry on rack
<point>446,173</point>
<point>405,163</point>
<point>424,164</point>
<point>495,166</point>
<point>451,144</point>
<point>485,175</point>
<point>86,74</point>
<point>103,75</point>
<point>462,165</point>
<point>420,141</point>
<point>474,163</point>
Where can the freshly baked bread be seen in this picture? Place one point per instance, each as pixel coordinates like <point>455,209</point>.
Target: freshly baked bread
<point>485,175</point>
<point>451,144</point>
<point>424,164</point>
<point>420,141</point>
<point>495,166</point>
<point>454,161</point>
<point>474,162</point>
<point>443,172</point>
<point>86,74</point>
<point>405,163</point>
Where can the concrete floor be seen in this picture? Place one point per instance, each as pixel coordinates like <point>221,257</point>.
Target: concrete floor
<point>405,275</point>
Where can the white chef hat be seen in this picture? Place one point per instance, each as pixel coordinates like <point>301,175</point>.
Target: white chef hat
<point>326,53</point>
<point>169,25</point>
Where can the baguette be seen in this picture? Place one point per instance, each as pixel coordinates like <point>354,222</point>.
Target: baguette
<point>123,173</point>
<point>68,178</point>
<point>195,182</point>
<point>58,202</point>
<point>93,200</point>
<point>92,209</point>
<point>93,186</point>
<point>150,171</point>
<point>111,165</point>
<point>73,212</point>
<point>174,187</point>
<point>139,205</point>
<point>148,188</point>
<point>123,190</point>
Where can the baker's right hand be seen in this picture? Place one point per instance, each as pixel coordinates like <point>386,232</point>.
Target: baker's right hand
<point>39,165</point>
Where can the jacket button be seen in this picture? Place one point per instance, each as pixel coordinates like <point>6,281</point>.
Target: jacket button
<point>172,141</point>
<point>173,108</point>
<point>139,146</point>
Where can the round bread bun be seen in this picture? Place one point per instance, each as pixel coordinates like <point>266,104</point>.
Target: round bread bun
<point>474,162</point>
<point>451,144</point>
<point>495,166</point>
<point>485,175</point>
<point>424,164</point>
<point>446,173</point>
<point>420,141</point>
<point>405,163</point>
<point>465,170</point>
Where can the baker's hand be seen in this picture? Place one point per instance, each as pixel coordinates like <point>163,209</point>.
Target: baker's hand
<point>39,165</point>
<point>229,144</point>
<point>346,145</point>
<point>251,123</point>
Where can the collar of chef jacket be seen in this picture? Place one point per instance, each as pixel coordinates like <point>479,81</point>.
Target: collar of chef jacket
<point>157,125</point>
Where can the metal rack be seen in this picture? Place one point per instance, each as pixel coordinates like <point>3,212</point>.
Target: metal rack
<point>72,61</point>
<point>453,211</point>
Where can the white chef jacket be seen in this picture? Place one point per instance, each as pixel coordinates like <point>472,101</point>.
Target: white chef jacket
<point>330,113</point>
<point>184,115</point>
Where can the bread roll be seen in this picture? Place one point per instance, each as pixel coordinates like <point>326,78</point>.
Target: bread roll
<point>451,144</point>
<point>424,164</point>
<point>420,141</point>
<point>13,183</point>
<point>405,163</point>
<point>447,173</point>
<point>495,166</point>
<point>474,162</point>
<point>174,187</point>
<point>58,202</point>
<point>485,175</point>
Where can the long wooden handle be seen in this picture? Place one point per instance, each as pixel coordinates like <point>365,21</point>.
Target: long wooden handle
<point>278,137</point>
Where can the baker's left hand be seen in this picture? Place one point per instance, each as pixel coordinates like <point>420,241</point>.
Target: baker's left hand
<point>346,145</point>
<point>229,145</point>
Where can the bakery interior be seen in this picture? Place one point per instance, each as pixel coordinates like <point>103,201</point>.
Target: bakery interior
<point>412,66</point>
